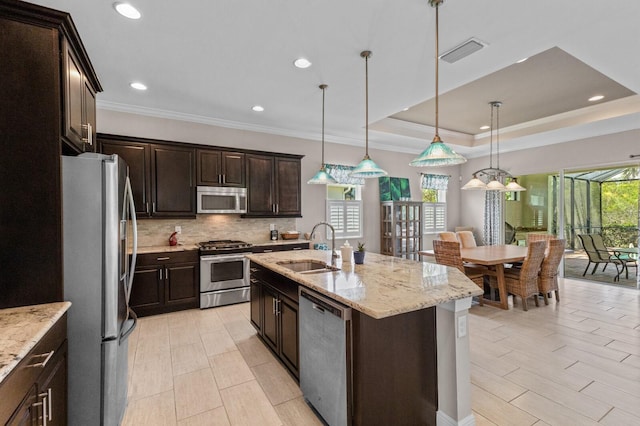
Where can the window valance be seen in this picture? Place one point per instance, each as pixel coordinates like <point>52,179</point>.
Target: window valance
<point>430,181</point>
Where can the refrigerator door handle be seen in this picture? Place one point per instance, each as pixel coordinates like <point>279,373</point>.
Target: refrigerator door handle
<point>125,334</point>
<point>134,224</point>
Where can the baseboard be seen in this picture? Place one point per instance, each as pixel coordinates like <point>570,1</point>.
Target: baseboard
<point>444,420</point>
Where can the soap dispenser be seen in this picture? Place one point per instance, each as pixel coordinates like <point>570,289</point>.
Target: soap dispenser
<point>347,252</point>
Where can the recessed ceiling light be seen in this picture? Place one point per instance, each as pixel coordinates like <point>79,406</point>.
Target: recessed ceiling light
<point>485,127</point>
<point>126,10</point>
<point>138,86</point>
<point>596,98</point>
<point>257,108</point>
<point>302,63</point>
<point>522,60</point>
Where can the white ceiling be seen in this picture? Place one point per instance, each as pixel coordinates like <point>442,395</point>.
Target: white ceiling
<point>211,61</point>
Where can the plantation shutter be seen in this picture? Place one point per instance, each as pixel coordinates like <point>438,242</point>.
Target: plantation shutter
<point>435,217</point>
<point>346,218</point>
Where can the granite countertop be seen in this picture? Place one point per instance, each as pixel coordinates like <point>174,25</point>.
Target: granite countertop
<point>382,287</point>
<point>166,249</point>
<point>22,328</point>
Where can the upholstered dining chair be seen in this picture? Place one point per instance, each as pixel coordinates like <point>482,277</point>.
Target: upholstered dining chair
<point>548,276</point>
<point>448,253</point>
<point>466,239</point>
<point>523,282</point>
<point>448,236</point>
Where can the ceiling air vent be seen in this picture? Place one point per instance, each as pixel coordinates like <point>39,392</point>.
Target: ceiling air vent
<point>465,49</point>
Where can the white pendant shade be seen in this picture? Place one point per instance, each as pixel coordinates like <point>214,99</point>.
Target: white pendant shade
<point>514,186</point>
<point>495,185</point>
<point>475,184</point>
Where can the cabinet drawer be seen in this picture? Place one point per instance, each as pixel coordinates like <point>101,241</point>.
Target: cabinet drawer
<point>152,259</point>
<point>26,373</point>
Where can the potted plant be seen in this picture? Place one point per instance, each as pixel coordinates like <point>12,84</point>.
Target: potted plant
<point>358,255</point>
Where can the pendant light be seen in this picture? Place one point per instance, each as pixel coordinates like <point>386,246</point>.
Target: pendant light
<point>322,177</point>
<point>437,153</point>
<point>367,167</point>
<point>495,174</point>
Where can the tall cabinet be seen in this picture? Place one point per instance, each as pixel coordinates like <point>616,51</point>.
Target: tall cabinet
<point>401,229</point>
<point>47,107</point>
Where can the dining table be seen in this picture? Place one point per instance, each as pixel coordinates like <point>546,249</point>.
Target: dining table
<point>495,258</point>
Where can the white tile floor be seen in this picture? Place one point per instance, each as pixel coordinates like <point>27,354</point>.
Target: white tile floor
<point>572,363</point>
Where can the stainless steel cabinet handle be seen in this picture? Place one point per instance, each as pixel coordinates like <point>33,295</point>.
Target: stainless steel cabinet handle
<point>153,207</point>
<point>297,248</point>
<point>277,208</point>
<point>267,251</point>
<point>253,280</point>
<point>43,363</point>
<point>49,398</point>
<point>166,274</point>
<point>46,405</point>
<point>273,306</point>
<point>219,178</point>
<point>163,258</point>
<point>253,269</point>
<point>278,302</point>
<point>160,270</point>
<point>42,403</point>
<point>147,207</point>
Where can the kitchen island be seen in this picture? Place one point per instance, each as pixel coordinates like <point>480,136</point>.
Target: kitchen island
<point>409,362</point>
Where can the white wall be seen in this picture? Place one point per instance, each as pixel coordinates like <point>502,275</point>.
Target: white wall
<point>313,196</point>
<point>604,150</point>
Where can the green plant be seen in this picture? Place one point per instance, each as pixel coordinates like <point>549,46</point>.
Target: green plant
<point>360,246</point>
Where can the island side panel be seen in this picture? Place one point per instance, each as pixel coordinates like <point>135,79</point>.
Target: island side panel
<point>395,369</point>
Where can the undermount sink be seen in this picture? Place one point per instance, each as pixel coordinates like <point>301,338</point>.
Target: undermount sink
<point>307,266</point>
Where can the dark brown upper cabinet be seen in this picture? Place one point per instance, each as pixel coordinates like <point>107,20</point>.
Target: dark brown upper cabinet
<point>79,103</point>
<point>162,175</point>
<point>273,186</point>
<point>221,168</point>
<point>34,46</point>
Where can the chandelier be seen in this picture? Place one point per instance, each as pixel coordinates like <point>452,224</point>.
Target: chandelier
<point>493,178</point>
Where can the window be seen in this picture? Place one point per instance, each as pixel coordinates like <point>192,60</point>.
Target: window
<point>344,203</point>
<point>344,210</point>
<point>434,210</point>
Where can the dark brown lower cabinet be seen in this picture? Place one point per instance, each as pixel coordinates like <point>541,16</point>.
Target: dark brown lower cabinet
<point>166,282</point>
<point>274,314</point>
<point>36,389</point>
<point>394,369</point>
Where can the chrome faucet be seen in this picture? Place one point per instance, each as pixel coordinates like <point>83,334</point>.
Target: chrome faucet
<point>334,253</point>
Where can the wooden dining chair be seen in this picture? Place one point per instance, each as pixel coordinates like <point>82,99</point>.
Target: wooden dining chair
<point>448,236</point>
<point>448,253</point>
<point>466,239</point>
<point>523,282</point>
<point>548,276</point>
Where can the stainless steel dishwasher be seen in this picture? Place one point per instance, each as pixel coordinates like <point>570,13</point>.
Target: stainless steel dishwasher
<point>325,356</point>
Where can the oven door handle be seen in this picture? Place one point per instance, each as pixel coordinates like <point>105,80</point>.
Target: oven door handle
<point>222,258</point>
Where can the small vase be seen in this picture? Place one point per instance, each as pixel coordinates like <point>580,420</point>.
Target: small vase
<point>358,257</point>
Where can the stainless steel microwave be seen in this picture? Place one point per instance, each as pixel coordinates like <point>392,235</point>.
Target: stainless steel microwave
<point>214,199</point>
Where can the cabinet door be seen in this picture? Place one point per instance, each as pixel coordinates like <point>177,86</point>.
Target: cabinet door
<point>89,119</point>
<point>147,292</point>
<point>181,284</point>
<point>233,169</point>
<point>136,155</point>
<point>173,175</point>
<point>27,412</point>
<point>288,201</point>
<point>256,305</point>
<point>73,93</point>
<point>288,311</point>
<point>270,319</point>
<point>52,389</point>
<point>260,184</point>
<point>209,167</point>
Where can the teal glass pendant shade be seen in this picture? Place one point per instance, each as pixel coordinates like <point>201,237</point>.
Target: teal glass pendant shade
<point>322,177</point>
<point>437,154</point>
<point>368,169</point>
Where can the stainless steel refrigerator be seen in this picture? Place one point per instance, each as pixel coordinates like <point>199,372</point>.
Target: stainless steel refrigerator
<point>98,222</point>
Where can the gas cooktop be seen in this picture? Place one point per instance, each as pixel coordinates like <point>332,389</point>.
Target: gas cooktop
<point>222,246</point>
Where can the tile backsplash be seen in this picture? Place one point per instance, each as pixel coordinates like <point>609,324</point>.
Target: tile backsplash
<point>156,232</point>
